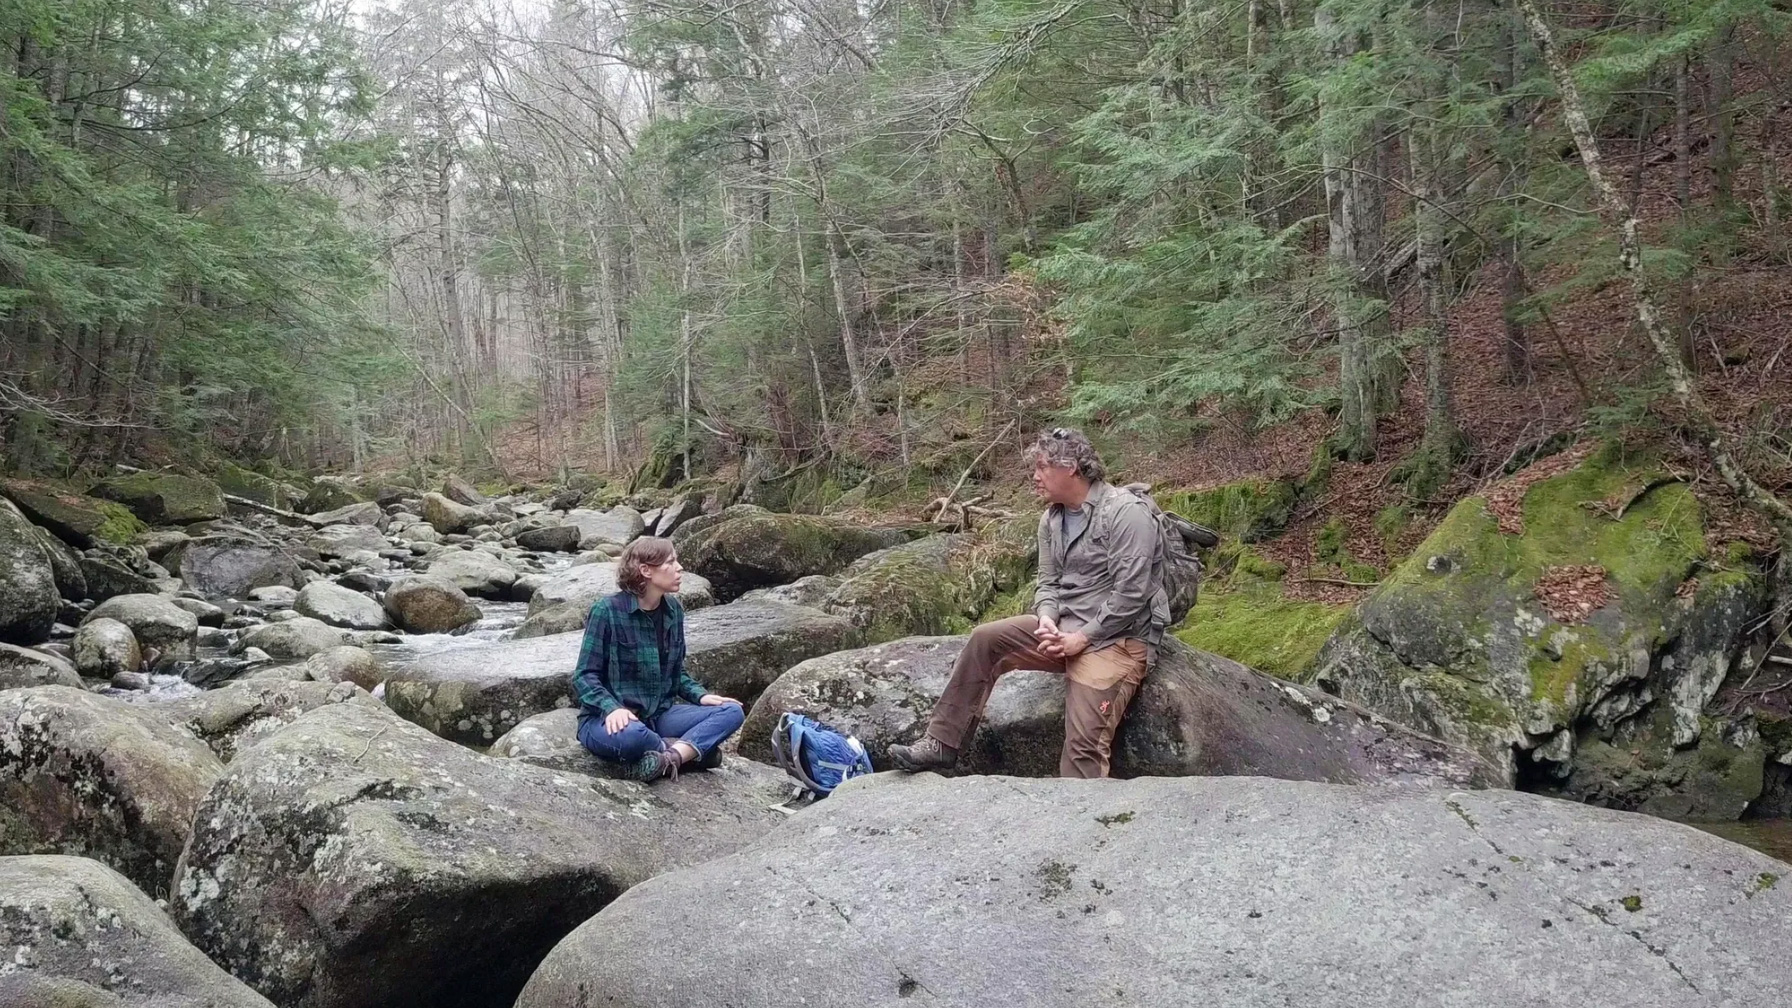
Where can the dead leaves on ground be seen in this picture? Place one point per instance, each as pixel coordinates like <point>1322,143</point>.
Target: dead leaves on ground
<point>1572,592</point>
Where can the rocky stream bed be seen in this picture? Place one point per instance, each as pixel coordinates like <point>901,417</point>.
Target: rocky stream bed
<point>250,756</point>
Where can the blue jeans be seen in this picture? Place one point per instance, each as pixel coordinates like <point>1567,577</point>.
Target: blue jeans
<point>703,727</point>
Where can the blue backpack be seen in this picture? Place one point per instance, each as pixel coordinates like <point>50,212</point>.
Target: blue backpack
<point>817,757</point>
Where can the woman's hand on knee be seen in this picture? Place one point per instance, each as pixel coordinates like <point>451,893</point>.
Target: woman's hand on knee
<point>618,719</point>
<point>717,700</point>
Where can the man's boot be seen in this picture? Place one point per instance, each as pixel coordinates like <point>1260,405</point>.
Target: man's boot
<point>927,754</point>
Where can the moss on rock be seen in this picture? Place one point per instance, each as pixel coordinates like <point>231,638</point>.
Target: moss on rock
<point>1250,511</point>
<point>162,498</point>
<point>1456,640</point>
<point>1256,626</point>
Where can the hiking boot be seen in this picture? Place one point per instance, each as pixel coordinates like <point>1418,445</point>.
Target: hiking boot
<point>712,760</point>
<point>927,754</point>
<point>653,766</point>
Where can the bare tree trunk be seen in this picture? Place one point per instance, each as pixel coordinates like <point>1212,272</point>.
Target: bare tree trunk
<point>1723,118</point>
<point>1440,427</point>
<point>1623,220</point>
<point>1346,207</point>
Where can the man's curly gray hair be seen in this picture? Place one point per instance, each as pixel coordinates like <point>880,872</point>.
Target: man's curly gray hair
<point>1070,448</point>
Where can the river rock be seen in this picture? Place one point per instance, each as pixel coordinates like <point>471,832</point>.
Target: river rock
<point>446,516</point>
<point>86,774</point>
<point>753,548</point>
<point>339,606</point>
<point>419,535</point>
<point>105,647</point>
<point>675,515</point>
<point>425,604</point>
<point>161,498</point>
<point>108,577</point>
<point>561,602</point>
<point>228,566</point>
<point>28,596</point>
<point>82,936</point>
<point>346,541</point>
<point>458,490</point>
<point>475,572</point>
<point>65,565</point>
<point>317,852</point>
<point>477,692</point>
<point>1604,703</point>
<point>551,539</point>
<point>76,519</point>
<point>154,620</point>
<point>241,714</point>
<point>298,637</point>
<point>207,614</point>
<point>1196,714</point>
<point>619,525</point>
<point>1198,891</point>
<point>328,493</point>
<point>346,664</point>
<point>24,667</point>
<point>812,591</point>
<point>365,513</point>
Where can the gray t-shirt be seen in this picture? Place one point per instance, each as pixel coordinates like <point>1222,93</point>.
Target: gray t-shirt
<point>1074,523</point>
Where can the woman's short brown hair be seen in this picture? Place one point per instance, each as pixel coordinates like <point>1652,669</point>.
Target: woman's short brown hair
<point>647,551</point>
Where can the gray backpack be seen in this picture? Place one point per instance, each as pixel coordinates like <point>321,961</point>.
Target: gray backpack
<point>1180,566</point>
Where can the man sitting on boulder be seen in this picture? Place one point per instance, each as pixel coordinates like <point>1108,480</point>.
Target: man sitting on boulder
<point>637,704</point>
<point>1099,613</point>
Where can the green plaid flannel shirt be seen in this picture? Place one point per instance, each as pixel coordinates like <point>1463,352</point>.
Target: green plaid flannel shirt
<point>621,664</point>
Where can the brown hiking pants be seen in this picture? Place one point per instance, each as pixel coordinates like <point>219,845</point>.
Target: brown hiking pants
<point>1098,687</point>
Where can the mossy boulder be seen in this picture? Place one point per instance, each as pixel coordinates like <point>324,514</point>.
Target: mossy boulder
<point>247,483</point>
<point>1249,511</point>
<point>76,519</point>
<point>1255,624</point>
<point>327,494</point>
<point>935,585</point>
<point>750,547</point>
<point>1460,640</point>
<point>162,498</point>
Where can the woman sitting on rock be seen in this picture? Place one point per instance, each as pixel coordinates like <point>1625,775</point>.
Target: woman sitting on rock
<point>637,705</point>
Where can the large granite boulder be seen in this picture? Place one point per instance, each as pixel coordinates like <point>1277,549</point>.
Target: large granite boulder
<point>347,540</point>
<point>365,513</point>
<point>1565,628</point>
<point>328,493</point>
<point>936,585</point>
<point>86,774</point>
<point>24,667</point>
<point>102,648</point>
<point>353,860</point>
<point>231,566</point>
<point>619,525</point>
<point>291,639</point>
<point>561,602</point>
<point>154,620</point>
<point>65,565</point>
<point>108,576</point>
<point>1196,714</point>
<point>754,548</point>
<point>339,606</point>
<point>80,935</point>
<point>346,664</point>
<point>1230,891</point>
<point>237,481</point>
<point>458,490</point>
<point>475,693</point>
<point>161,498</point>
<point>550,538</point>
<point>429,605</point>
<point>28,595</point>
<point>76,519</point>
<point>445,516</point>
<point>241,714</point>
<point>475,572</point>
